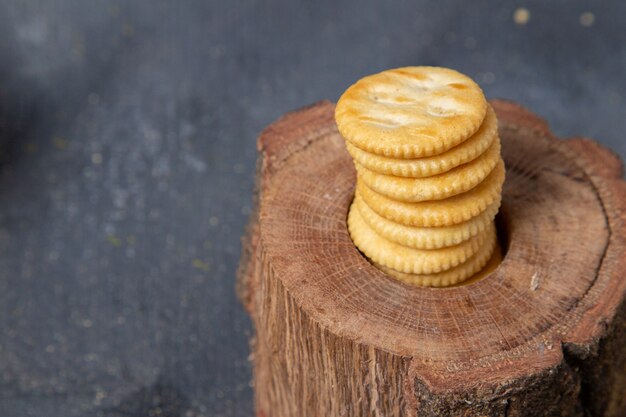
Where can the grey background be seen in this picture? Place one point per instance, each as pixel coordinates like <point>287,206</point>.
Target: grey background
<point>127,151</point>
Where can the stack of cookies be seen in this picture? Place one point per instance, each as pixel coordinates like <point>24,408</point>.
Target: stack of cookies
<point>429,173</point>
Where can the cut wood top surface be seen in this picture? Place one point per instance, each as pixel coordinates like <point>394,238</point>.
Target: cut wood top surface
<point>561,228</point>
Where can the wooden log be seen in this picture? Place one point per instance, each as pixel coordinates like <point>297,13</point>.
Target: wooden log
<point>543,335</point>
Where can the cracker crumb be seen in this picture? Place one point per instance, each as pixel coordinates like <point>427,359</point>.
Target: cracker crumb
<point>201,265</point>
<point>31,147</point>
<point>59,143</point>
<point>86,323</point>
<point>239,168</point>
<point>587,19</point>
<point>521,16</point>
<point>96,158</point>
<point>114,240</point>
<point>128,30</point>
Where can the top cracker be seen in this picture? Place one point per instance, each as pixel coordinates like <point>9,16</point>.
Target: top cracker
<point>410,112</point>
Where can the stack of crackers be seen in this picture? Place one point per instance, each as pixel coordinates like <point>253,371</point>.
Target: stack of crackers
<point>429,173</point>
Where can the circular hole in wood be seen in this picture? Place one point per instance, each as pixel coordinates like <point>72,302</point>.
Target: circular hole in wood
<point>502,229</point>
<point>488,269</point>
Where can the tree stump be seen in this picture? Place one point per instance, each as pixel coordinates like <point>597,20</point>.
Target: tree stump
<point>542,335</point>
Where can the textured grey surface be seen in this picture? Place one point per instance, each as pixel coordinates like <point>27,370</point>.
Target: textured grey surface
<point>127,134</point>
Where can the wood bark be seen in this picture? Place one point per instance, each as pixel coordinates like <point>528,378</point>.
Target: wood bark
<point>543,335</point>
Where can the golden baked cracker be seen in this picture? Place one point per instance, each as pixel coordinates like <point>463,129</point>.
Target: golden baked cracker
<point>492,264</point>
<point>480,264</point>
<point>410,260</point>
<point>456,181</point>
<point>410,112</point>
<point>436,213</point>
<point>436,164</point>
<point>425,237</point>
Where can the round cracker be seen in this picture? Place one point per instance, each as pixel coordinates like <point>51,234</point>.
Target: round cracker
<point>410,260</point>
<point>453,210</point>
<point>437,187</point>
<point>425,237</point>
<point>467,151</point>
<point>480,264</point>
<point>490,267</point>
<point>410,112</point>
